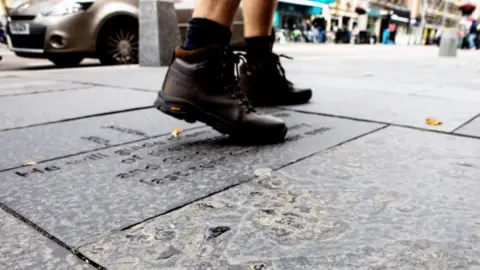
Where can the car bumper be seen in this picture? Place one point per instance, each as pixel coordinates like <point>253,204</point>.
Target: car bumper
<point>51,35</point>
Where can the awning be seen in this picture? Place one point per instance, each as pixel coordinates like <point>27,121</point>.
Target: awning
<point>309,3</point>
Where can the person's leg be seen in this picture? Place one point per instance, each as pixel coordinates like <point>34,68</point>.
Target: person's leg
<point>471,41</point>
<point>211,23</point>
<point>263,78</point>
<point>322,36</point>
<point>258,19</point>
<point>201,84</point>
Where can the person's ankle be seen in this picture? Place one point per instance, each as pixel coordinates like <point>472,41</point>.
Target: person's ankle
<point>203,32</point>
<point>259,49</point>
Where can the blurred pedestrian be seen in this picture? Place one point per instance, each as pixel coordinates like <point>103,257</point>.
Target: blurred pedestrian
<point>319,26</point>
<point>206,82</point>
<point>472,35</point>
<point>307,32</point>
<point>386,37</point>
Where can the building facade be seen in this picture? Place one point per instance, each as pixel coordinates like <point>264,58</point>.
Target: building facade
<point>439,14</point>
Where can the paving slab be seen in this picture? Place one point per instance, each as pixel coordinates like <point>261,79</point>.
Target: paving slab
<point>25,110</point>
<point>24,248</point>
<point>145,78</point>
<point>388,107</point>
<point>19,146</point>
<point>81,198</point>
<point>394,199</point>
<point>22,86</point>
<point>472,128</point>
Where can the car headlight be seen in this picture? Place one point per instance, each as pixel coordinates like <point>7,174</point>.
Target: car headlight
<point>67,7</point>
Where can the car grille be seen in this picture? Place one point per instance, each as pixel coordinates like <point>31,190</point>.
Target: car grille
<point>35,40</point>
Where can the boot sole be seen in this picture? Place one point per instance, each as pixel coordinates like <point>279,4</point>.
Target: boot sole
<point>184,110</point>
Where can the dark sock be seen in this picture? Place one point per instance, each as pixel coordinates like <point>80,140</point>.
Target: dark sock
<point>258,48</point>
<point>203,32</point>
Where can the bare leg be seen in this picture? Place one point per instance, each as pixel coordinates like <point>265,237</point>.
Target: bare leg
<point>258,17</point>
<point>220,11</point>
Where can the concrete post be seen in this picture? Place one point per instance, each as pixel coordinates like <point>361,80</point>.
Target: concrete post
<point>448,43</point>
<point>159,33</point>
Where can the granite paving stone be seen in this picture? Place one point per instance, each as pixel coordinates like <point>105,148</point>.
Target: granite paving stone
<point>20,111</point>
<point>472,128</point>
<point>81,198</point>
<point>391,107</point>
<point>22,86</point>
<point>19,146</point>
<point>22,247</point>
<point>394,199</point>
<point>145,78</point>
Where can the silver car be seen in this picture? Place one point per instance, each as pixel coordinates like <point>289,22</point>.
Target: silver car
<point>67,31</point>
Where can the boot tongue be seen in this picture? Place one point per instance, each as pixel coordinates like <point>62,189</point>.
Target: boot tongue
<point>269,70</point>
<point>267,63</point>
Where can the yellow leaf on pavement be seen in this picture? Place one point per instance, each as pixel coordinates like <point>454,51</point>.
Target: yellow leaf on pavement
<point>433,122</point>
<point>176,132</point>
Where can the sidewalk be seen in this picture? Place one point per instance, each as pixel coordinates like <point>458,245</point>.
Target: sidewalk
<point>362,182</point>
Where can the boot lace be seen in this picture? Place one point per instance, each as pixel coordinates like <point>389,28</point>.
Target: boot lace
<point>230,79</point>
<point>280,68</point>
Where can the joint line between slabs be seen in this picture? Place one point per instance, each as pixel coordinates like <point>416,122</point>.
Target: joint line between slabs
<point>248,180</point>
<point>111,86</point>
<point>107,147</point>
<point>45,92</point>
<point>39,229</point>
<point>97,149</point>
<point>79,118</point>
<point>466,123</point>
<point>451,133</point>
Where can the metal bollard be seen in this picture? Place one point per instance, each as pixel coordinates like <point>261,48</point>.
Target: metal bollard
<point>449,43</point>
<point>159,33</point>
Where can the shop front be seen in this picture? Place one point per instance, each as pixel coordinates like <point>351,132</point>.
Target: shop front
<point>291,13</point>
<point>375,16</point>
<point>400,18</point>
<point>434,23</point>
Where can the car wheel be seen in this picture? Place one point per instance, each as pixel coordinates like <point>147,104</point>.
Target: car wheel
<point>118,43</point>
<point>66,61</point>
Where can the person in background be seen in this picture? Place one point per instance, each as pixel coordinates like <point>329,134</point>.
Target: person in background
<point>472,35</point>
<point>355,31</point>
<point>308,33</point>
<point>208,82</point>
<point>438,36</point>
<point>386,37</point>
<point>319,25</point>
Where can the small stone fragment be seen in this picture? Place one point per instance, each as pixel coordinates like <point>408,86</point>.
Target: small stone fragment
<point>165,235</point>
<point>281,232</point>
<point>204,266</point>
<point>263,172</point>
<point>268,211</point>
<point>216,232</point>
<point>168,253</point>
<point>258,266</point>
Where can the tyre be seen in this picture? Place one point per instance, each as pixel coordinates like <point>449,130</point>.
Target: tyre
<point>66,61</point>
<point>118,42</point>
